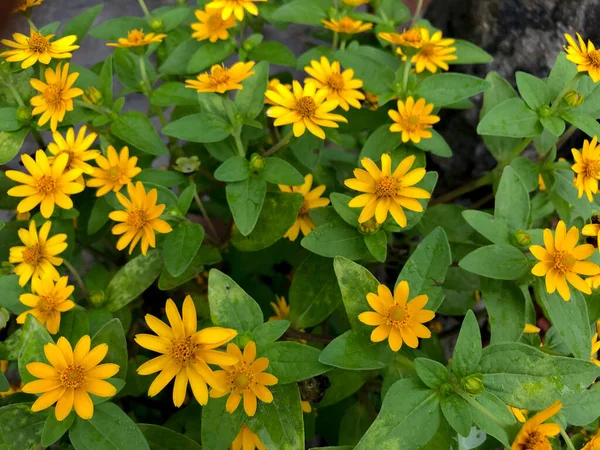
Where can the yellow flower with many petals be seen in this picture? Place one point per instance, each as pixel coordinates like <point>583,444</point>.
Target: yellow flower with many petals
<point>534,434</point>
<point>397,319</point>
<point>246,379</point>
<point>592,229</point>
<point>114,171</point>
<point>413,119</point>
<point>235,8</point>
<point>346,25</point>
<point>73,374</point>
<point>56,95</point>
<point>272,86</point>
<point>211,25</point>
<point>594,443</point>
<point>520,414</point>
<point>341,86</point>
<point>247,440</point>
<point>414,37</point>
<point>137,38</point>
<point>281,308</point>
<point>76,148</point>
<point>386,191</point>
<point>586,57</point>
<point>563,260</point>
<point>185,353</point>
<point>24,5</point>
<point>587,168</point>
<point>140,219</point>
<point>47,185</point>
<point>356,2</point>
<point>222,79</point>
<point>38,47</point>
<point>305,108</point>
<point>312,200</point>
<point>434,53</point>
<point>47,300</point>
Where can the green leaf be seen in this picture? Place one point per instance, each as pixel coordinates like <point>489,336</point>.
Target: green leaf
<point>4,384</point>
<point>268,332</point>
<point>74,324</point>
<point>554,125</point>
<point>173,93</point>
<point>160,438</point>
<point>468,53</point>
<point>336,238</point>
<point>203,127</point>
<point>467,352</point>
<point>11,291</point>
<point>232,170</point>
<point>166,178</point>
<point>304,12</point>
<point>53,429</point>
<point>533,90</point>
<point>8,119</point>
<point>340,204</point>
<point>447,88</point>
<point>279,171</point>
<point>354,350</point>
<point>34,336</point>
<point>562,73</point>
<point>185,198</point>
<point>457,413</point>
<point>177,61</point>
<point>219,428</point>
<point>274,52</point>
<point>205,256</point>
<point>370,66</point>
<point>344,383</point>
<point>505,305</point>
<point>251,100</point>
<point>492,228</point>
<point>585,123</point>
<point>381,141</point>
<point>79,25</point>
<point>499,261</point>
<point>246,199</point>
<point>181,245</point>
<point>172,17</point>
<point>113,335</point>
<point>10,144</point>
<point>21,427</point>
<point>136,129</point>
<point>99,215</point>
<point>582,408</point>
<point>291,361</point>
<point>511,118</point>
<point>432,373</point>
<point>209,54</point>
<point>356,421</point>
<point>436,144</point>
<point>512,200</point>
<point>486,422</point>
<point>377,245</point>
<point>113,29</point>
<point>397,12</point>
<point>105,81</point>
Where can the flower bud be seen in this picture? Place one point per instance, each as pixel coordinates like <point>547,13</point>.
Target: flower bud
<point>23,114</point>
<point>187,165</point>
<point>92,96</point>
<point>398,87</point>
<point>545,111</point>
<point>156,25</point>
<point>369,227</point>
<point>247,45</point>
<point>257,162</point>
<point>473,384</point>
<point>523,238</point>
<point>574,99</point>
<point>97,298</point>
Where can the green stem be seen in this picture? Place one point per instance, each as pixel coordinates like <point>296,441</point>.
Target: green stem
<point>145,80</point>
<point>146,10</point>
<point>484,180</point>
<point>565,137</point>
<point>343,44</point>
<point>418,12</point>
<point>31,24</point>
<point>285,141</point>
<point>38,138</point>
<point>242,27</point>
<point>478,406</point>
<point>561,94</point>
<point>567,439</point>
<point>517,151</point>
<point>406,75</point>
<point>205,215</point>
<point>99,109</point>
<point>237,136</point>
<point>15,93</point>
<point>77,277</point>
<point>336,39</point>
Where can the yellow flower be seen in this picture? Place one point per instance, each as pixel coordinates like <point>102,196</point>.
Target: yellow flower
<point>47,185</point>
<point>305,405</point>
<point>530,329</point>
<point>140,219</point>
<point>71,376</point>
<point>38,47</point>
<point>341,86</point>
<point>222,79</point>
<point>22,216</point>
<point>595,346</point>
<point>587,168</point>
<point>56,95</point>
<point>413,119</point>
<point>541,182</point>
<point>137,38</point>
<point>235,7</point>
<point>247,440</point>
<point>346,25</point>
<point>47,301</point>
<point>534,434</point>
<point>356,2</point>
<point>211,26</point>
<point>281,308</point>
<point>433,53</point>
<point>594,443</point>
<point>305,108</point>
<point>518,413</point>
<point>562,260</point>
<point>114,171</point>
<point>76,148</point>
<point>247,378</point>
<point>414,37</point>
<point>385,190</point>
<point>272,86</point>
<point>24,5</point>
<point>14,387</point>
<point>397,319</point>
<point>587,57</point>
<point>185,353</point>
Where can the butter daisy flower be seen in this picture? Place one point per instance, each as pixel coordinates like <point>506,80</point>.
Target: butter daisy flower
<point>137,38</point>
<point>222,79</point>
<point>520,414</point>
<point>247,440</point>
<point>56,95</point>
<point>272,86</point>
<point>114,171</point>
<point>434,53</point>
<point>355,2</point>
<point>592,229</point>
<point>346,25</point>
<point>70,378</point>
<point>281,308</point>
<point>235,8</point>
<point>246,379</point>
<point>534,433</point>
<point>23,5</point>
<point>304,108</point>
<point>211,25</point>
<point>185,353</point>
<point>47,301</point>
<point>413,37</point>
<point>595,345</point>
<point>587,168</point>
<point>140,220</point>
<point>38,47</point>
<point>413,119</point>
<point>562,261</point>
<point>386,191</point>
<point>586,57</point>
<point>46,185</point>
<point>594,443</point>
<point>397,319</point>
<point>341,86</point>
<point>77,148</point>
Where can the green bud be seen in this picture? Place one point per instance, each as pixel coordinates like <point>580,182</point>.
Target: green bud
<point>247,45</point>
<point>257,162</point>
<point>244,338</point>
<point>523,238</point>
<point>174,211</point>
<point>398,87</point>
<point>23,114</point>
<point>187,165</point>
<point>574,99</point>
<point>97,298</point>
<point>92,96</point>
<point>156,24</point>
<point>545,111</point>
<point>369,227</point>
<point>473,384</point>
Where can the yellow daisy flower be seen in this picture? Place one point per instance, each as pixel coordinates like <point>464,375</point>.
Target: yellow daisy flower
<point>247,440</point>
<point>222,79</point>
<point>247,378</point>
<point>235,7</point>
<point>71,376</point>
<point>76,148</point>
<point>587,57</point>
<point>595,345</point>
<point>541,182</point>
<point>587,168</point>
<point>593,282</point>
<point>534,434</point>
<point>594,443</point>
<point>518,413</point>
<point>211,26</point>
<point>137,38</point>
<point>24,5</point>
<point>272,86</point>
<point>414,37</point>
<point>38,47</point>
<point>356,2</point>
<point>305,108</point>
<point>530,328</point>
<point>433,53</point>
<point>186,353</point>
<point>56,95</point>
<point>413,119</point>
<point>47,185</point>
<point>346,25</point>
<point>281,308</point>
<point>305,405</point>
<point>312,200</point>
<point>386,191</point>
<point>140,219</point>
<point>114,171</point>
<point>341,86</point>
<point>563,260</point>
<point>592,229</point>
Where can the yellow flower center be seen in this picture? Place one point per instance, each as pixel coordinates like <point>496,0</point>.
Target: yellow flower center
<point>137,219</point>
<point>411,123</point>
<point>32,255</point>
<point>72,377</point>
<point>38,43</point>
<point>47,304</point>
<point>46,184</point>
<point>336,81</point>
<point>306,106</point>
<point>53,94</point>
<point>427,51</point>
<point>387,187</point>
<point>346,25</point>
<point>183,350</point>
<point>594,57</point>
<point>219,75</point>
<point>214,21</point>
<point>241,380</point>
<point>398,316</point>
<point>412,38</point>
<point>591,168</point>
<point>136,37</point>
<point>563,261</point>
<point>114,173</point>
<point>534,441</point>
<point>304,208</point>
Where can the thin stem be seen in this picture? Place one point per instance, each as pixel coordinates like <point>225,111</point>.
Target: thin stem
<point>406,75</point>
<point>242,27</point>
<point>483,201</point>
<point>343,44</point>
<point>418,12</point>
<point>336,39</point>
<point>565,137</point>
<point>476,184</point>
<point>567,439</point>
<point>239,144</point>
<point>517,151</point>
<point>31,24</point>
<point>77,277</point>
<point>15,93</point>
<point>99,109</point>
<point>285,141</point>
<point>205,214</point>
<point>146,81</point>
<point>38,138</point>
<point>145,9</point>
<point>562,93</point>
<point>475,404</point>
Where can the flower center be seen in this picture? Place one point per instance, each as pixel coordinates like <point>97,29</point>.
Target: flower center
<point>411,123</point>
<point>304,208</point>
<point>412,38</point>
<point>53,94</point>
<point>32,255</point>
<point>135,36</point>
<point>137,219</point>
<point>72,377</point>
<point>336,81</point>
<point>591,168</point>
<point>427,51</point>
<point>219,75</point>
<point>306,106</point>
<point>534,441</point>
<point>183,350</point>
<point>397,316</point>
<point>38,43</point>
<point>387,187</point>
<point>346,25</point>
<point>46,184</point>
<point>594,57</point>
<point>214,21</point>
<point>241,380</point>
<point>563,261</point>
<point>47,304</point>
<point>114,173</point>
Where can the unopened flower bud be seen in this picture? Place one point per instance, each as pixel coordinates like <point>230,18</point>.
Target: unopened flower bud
<point>523,238</point>
<point>574,99</point>
<point>473,384</point>
<point>257,162</point>
<point>156,25</point>
<point>545,111</point>
<point>97,298</point>
<point>247,45</point>
<point>92,96</point>
<point>369,227</point>
<point>187,165</point>
<point>23,114</point>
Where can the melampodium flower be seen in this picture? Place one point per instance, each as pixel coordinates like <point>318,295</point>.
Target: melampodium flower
<point>396,318</point>
<point>433,53</point>
<point>356,2</point>
<point>222,79</point>
<point>595,346</point>
<point>137,38</point>
<point>272,86</point>
<point>518,413</point>
<point>38,47</point>
<point>71,376</point>
<point>594,443</point>
<point>341,86</point>
<point>76,148</point>
<point>587,57</point>
<point>385,190</point>
<point>534,434</point>
<point>305,405</point>
<point>346,25</point>
<point>47,301</point>
<point>413,119</point>
<point>140,219</point>
<point>312,200</point>
<point>414,37</point>
<point>530,328</point>
<point>24,5</point>
<point>235,7</point>
<point>246,379</point>
<point>305,108</point>
<point>56,95</point>
<point>592,229</point>
<point>211,26</point>
<point>587,168</point>
<point>281,308</point>
<point>185,353</point>
<point>247,440</point>
<point>48,184</point>
<point>114,171</point>
<point>562,260</point>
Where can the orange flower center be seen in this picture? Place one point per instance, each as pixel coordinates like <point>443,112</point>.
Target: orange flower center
<point>306,106</point>
<point>594,57</point>
<point>411,123</point>
<point>304,208</point>
<point>137,219</point>
<point>53,94</point>
<point>241,380</point>
<point>427,51</point>
<point>563,261</point>
<point>411,38</point>
<point>398,316</point>
<point>136,37</point>
<point>72,377</point>
<point>591,168</point>
<point>38,43</point>
<point>46,184</point>
<point>114,174</point>
<point>219,75</point>
<point>214,21</point>
<point>534,441</point>
<point>32,255</point>
<point>346,25</point>
<point>183,350</point>
<point>336,81</point>
<point>47,304</point>
<point>387,187</point>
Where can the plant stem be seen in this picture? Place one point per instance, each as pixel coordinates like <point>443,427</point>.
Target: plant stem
<point>522,146</point>
<point>282,143</point>
<point>205,215</point>
<point>336,38</point>
<point>31,24</point>
<point>145,9</point>
<point>406,75</point>
<point>418,12</point>
<point>562,93</point>
<point>476,184</point>
<point>565,137</point>
<point>237,136</point>
<point>343,44</point>
<point>475,404</point>
<point>567,439</point>
<point>146,81</point>
<point>77,277</point>
<point>99,109</point>
<point>38,138</point>
<point>14,92</point>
